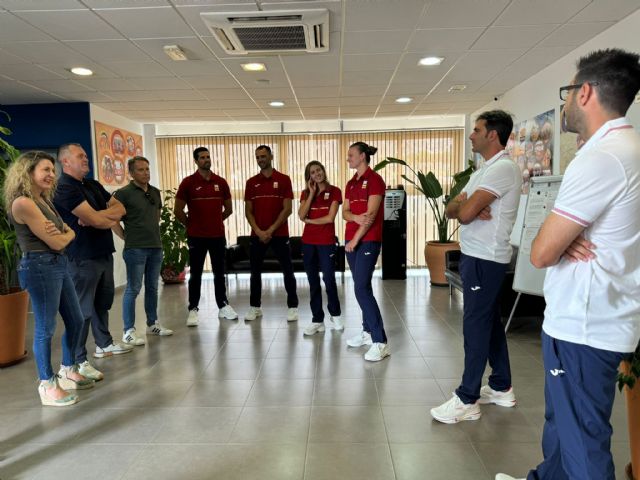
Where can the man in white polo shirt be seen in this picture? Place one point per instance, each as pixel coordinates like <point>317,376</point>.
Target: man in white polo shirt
<point>487,210</point>
<point>590,243</point>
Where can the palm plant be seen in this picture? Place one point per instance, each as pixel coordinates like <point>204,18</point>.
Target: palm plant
<point>431,188</point>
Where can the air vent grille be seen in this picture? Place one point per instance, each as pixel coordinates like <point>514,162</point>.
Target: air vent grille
<point>272,38</point>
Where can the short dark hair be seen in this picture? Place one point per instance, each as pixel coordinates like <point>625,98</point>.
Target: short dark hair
<point>264,147</point>
<point>498,121</point>
<point>368,150</point>
<point>198,151</point>
<point>132,161</point>
<point>617,73</point>
<point>64,149</point>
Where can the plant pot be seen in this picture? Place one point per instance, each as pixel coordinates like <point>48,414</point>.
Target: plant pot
<point>434,255</point>
<point>170,276</point>
<point>14,308</point>
<point>633,420</point>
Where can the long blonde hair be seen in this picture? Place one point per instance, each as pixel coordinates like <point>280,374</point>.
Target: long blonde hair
<point>19,180</point>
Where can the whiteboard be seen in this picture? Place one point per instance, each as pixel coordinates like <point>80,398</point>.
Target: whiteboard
<point>543,192</point>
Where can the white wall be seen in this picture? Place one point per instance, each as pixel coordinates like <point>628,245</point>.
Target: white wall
<point>539,93</point>
<point>101,115</point>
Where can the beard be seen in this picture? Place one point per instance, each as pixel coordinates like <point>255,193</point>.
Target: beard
<point>571,118</point>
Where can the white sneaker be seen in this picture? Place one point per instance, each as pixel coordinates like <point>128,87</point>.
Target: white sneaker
<point>113,349</point>
<point>292,315</point>
<point>130,337</point>
<point>227,312</point>
<point>314,328</point>
<point>503,399</point>
<point>338,323</point>
<point>70,379</point>
<point>157,329</point>
<point>363,338</point>
<point>253,313</point>
<point>377,352</point>
<point>455,410</point>
<point>192,318</point>
<point>504,476</point>
<point>87,370</point>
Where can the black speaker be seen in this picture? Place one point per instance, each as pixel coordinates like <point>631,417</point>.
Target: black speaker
<point>394,235</point>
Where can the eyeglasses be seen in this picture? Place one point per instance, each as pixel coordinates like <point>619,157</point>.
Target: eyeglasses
<point>564,91</point>
<point>148,196</point>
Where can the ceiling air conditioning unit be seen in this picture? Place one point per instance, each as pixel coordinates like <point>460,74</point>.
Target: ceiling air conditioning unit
<point>277,31</point>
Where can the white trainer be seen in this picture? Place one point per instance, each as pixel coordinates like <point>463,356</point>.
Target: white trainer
<point>338,323</point>
<point>130,337</point>
<point>87,370</point>
<point>377,352</point>
<point>363,338</point>
<point>253,313</point>
<point>192,318</point>
<point>504,476</point>
<point>455,410</point>
<point>313,329</point>
<point>70,379</point>
<point>157,329</point>
<point>113,349</point>
<point>292,314</point>
<point>503,399</point>
<point>228,313</point>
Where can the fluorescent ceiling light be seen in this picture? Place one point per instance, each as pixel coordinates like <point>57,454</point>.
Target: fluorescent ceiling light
<point>254,67</point>
<point>276,103</point>
<point>404,100</point>
<point>83,72</point>
<point>430,61</point>
<point>174,52</point>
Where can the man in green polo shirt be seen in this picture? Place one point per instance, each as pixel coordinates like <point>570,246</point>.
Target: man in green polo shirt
<point>142,249</point>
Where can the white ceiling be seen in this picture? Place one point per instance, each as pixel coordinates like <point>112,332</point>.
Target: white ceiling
<point>489,45</point>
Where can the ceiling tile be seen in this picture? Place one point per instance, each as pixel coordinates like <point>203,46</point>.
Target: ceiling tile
<point>109,50</point>
<point>357,101</point>
<point>192,12</point>
<point>482,65</point>
<point>522,36</point>
<point>363,91</point>
<point>135,96</point>
<point>63,69</point>
<point>151,22</point>
<point>387,15</point>
<point>319,102</point>
<point>27,71</point>
<point>521,12</point>
<point>376,42</point>
<point>269,93</point>
<point>17,5</point>
<point>125,3</point>
<point>194,67</point>
<point>161,83</point>
<point>334,7</point>
<point>462,13</point>
<point>60,86</point>
<point>92,97</point>
<point>317,92</point>
<point>193,48</point>
<point>45,52</point>
<point>71,24</point>
<point>14,29</point>
<point>366,78</point>
<point>138,69</point>
<point>435,41</point>
<point>210,81</point>
<point>606,11</point>
<point>574,34</point>
<point>7,58</point>
<point>108,84</point>
<point>370,62</point>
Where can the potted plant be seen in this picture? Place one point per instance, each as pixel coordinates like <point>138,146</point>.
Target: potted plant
<point>174,242</point>
<point>437,198</point>
<point>629,381</point>
<point>14,302</point>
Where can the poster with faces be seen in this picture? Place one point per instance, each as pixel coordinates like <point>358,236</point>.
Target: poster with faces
<point>530,145</point>
<point>115,146</point>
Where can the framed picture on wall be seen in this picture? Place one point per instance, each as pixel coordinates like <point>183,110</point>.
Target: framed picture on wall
<point>114,147</point>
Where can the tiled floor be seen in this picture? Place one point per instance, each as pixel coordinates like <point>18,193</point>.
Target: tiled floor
<point>233,400</point>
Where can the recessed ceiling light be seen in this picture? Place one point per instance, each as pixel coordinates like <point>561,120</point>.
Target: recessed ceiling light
<point>457,88</point>
<point>276,103</point>
<point>404,100</point>
<point>430,61</point>
<point>83,72</point>
<point>254,67</point>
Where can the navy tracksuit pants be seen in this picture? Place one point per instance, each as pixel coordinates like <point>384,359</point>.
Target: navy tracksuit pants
<point>321,258</point>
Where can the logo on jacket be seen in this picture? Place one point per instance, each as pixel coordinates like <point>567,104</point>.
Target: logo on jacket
<point>364,184</point>
<point>275,184</point>
<point>216,187</point>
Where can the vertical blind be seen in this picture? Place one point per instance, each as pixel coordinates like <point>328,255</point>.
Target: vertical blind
<point>233,157</point>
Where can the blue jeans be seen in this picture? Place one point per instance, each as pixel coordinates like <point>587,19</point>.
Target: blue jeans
<point>141,262</point>
<point>484,337</point>
<point>45,276</point>
<point>579,390</point>
<point>362,262</point>
<point>321,258</point>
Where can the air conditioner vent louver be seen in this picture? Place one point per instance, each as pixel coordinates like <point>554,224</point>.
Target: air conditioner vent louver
<point>270,32</point>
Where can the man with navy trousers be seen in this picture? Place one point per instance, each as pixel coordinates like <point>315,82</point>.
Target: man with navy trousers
<point>590,243</point>
<point>487,210</point>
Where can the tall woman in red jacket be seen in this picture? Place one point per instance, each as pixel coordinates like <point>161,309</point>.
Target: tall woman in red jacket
<point>318,208</point>
<point>364,215</point>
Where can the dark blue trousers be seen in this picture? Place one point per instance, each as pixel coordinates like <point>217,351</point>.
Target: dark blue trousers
<point>362,263</point>
<point>484,337</point>
<point>321,258</point>
<point>579,390</point>
<point>198,249</point>
<point>282,250</point>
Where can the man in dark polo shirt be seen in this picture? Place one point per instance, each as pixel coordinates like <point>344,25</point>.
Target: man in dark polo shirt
<point>91,211</point>
<point>208,199</point>
<point>267,199</point>
<point>142,252</point>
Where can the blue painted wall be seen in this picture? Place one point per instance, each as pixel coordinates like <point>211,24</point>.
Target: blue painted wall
<point>48,125</point>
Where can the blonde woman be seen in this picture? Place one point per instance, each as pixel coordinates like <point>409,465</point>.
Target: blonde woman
<point>43,236</point>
